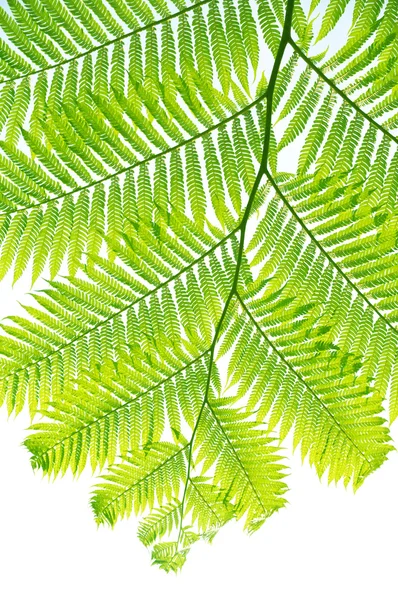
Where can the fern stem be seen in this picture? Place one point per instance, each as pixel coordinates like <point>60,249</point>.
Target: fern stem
<point>110,42</point>
<point>204,404</point>
<point>340,92</point>
<point>242,227</point>
<point>286,362</point>
<point>333,262</point>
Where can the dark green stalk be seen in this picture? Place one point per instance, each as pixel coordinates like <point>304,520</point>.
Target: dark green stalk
<point>269,94</point>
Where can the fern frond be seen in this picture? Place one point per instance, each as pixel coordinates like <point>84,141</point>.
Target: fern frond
<point>214,302</point>
<point>91,125</point>
<point>71,318</point>
<point>247,480</point>
<point>124,416</point>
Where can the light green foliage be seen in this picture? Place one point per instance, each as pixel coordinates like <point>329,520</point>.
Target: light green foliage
<point>212,306</point>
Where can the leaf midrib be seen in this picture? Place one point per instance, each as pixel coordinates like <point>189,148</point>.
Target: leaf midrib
<point>340,92</point>
<point>308,387</point>
<point>107,414</point>
<point>128,306</point>
<point>110,42</point>
<point>329,258</point>
<point>238,458</point>
<point>130,488</point>
<point>144,161</point>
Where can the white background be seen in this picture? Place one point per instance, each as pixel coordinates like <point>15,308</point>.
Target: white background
<point>327,544</point>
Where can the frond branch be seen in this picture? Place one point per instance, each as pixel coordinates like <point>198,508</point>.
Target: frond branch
<point>110,42</point>
<point>334,263</point>
<point>340,92</point>
<point>122,406</point>
<point>130,305</point>
<point>136,483</point>
<point>286,362</point>
<point>147,160</point>
<point>204,500</point>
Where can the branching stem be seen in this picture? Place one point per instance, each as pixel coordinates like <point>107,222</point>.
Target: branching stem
<point>263,168</point>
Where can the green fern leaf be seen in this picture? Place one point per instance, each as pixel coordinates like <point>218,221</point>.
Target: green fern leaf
<point>213,195</point>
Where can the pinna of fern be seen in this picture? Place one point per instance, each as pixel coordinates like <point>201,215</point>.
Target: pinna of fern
<point>234,304</point>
